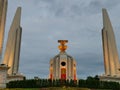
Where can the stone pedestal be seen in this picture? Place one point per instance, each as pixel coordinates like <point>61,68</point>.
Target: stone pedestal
<point>109,78</point>
<point>3,75</point>
<point>17,77</point>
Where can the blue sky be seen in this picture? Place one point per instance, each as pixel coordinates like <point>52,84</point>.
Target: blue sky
<point>44,22</point>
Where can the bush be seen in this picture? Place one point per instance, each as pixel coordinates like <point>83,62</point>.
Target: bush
<point>90,82</point>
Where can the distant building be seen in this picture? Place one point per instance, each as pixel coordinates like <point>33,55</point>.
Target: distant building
<point>63,66</point>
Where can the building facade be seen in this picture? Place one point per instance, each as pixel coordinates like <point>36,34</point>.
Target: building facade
<point>63,66</point>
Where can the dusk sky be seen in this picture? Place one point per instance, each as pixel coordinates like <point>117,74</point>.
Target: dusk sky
<point>44,22</point>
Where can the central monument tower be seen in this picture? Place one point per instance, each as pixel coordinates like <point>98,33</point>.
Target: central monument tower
<point>63,66</point>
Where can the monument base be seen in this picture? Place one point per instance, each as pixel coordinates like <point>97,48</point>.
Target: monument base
<point>3,75</point>
<point>2,85</point>
<point>110,78</point>
<point>15,77</point>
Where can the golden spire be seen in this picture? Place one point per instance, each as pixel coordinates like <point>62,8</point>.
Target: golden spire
<point>62,47</point>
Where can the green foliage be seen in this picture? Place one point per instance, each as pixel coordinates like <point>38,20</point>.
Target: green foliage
<point>94,82</point>
<point>50,88</point>
<point>41,83</point>
<point>90,82</point>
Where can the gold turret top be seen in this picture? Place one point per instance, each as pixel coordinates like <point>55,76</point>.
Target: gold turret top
<point>62,47</point>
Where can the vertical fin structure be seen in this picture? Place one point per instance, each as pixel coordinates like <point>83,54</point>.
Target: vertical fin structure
<point>12,52</point>
<point>3,11</point>
<point>105,52</point>
<point>17,49</point>
<point>111,58</point>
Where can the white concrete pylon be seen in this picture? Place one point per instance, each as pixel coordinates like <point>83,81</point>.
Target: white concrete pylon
<point>12,52</point>
<point>3,12</point>
<point>111,58</point>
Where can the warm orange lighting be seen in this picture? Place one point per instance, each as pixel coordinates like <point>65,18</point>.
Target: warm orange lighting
<point>62,47</point>
<point>63,73</point>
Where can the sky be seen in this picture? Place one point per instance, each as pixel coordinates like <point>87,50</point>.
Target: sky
<point>44,22</point>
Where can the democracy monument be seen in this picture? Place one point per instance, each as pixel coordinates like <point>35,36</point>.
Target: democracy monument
<point>10,63</point>
<point>110,53</point>
<point>62,65</point>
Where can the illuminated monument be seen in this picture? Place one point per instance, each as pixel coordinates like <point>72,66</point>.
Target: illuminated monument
<point>63,66</point>
<point>12,52</point>
<point>111,58</point>
<point>3,68</point>
<point>3,10</point>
